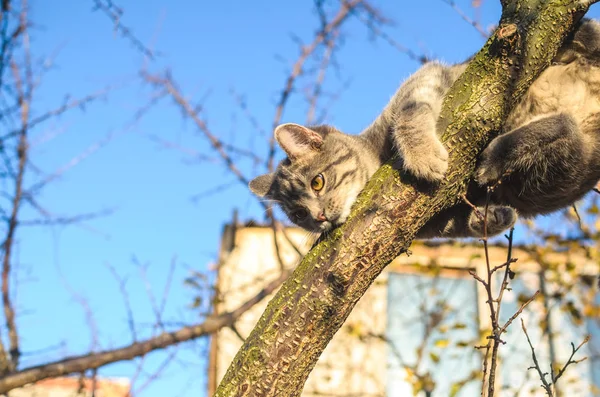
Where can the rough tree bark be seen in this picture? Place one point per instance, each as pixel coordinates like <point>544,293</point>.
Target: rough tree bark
<point>313,303</point>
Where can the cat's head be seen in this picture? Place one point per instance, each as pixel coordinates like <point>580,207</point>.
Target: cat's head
<point>321,177</point>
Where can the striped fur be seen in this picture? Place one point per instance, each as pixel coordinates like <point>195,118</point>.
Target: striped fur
<point>346,163</point>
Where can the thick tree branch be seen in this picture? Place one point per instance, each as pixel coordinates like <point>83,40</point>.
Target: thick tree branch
<point>313,303</point>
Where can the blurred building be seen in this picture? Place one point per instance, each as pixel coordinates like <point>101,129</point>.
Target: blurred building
<point>74,387</point>
<point>414,331</point>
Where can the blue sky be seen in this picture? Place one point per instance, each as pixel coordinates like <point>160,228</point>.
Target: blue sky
<point>211,49</point>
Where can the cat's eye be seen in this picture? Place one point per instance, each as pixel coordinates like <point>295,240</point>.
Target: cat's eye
<point>300,214</point>
<point>317,183</point>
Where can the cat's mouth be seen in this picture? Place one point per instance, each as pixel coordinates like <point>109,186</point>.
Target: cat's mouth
<point>325,226</point>
<point>329,224</point>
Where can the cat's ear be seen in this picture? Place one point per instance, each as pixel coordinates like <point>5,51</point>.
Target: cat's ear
<point>297,141</point>
<point>261,184</point>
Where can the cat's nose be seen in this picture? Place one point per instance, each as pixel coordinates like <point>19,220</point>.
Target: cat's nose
<point>321,217</point>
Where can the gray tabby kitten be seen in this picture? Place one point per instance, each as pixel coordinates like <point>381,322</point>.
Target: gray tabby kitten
<point>549,154</point>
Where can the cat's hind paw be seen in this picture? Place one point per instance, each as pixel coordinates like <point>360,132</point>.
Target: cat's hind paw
<point>499,218</point>
<point>490,169</point>
<point>488,175</point>
<point>428,162</point>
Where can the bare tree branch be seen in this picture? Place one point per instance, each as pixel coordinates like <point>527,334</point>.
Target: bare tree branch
<point>378,32</point>
<point>466,18</point>
<point>316,91</point>
<point>550,386</point>
<point>66,106</point>
<point>115,13</point>
<point>24,90</point>
<point>87,361</point>
<point>166,83</point>
<point>306,52</point>
<point>123,290</point>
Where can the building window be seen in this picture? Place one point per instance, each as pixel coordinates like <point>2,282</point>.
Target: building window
<point>431,329</point>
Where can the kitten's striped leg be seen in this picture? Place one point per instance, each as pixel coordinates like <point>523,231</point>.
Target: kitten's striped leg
<point>414,112</point>
<point>546,149</point>
<point>421,152</point>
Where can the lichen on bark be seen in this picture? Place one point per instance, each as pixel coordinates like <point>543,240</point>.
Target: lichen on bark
<point>277,357</point>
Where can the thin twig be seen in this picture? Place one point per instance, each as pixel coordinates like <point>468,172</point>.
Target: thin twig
<point>123,289</point>
<point>241,102</point>
<point>155,374</point>
<point>65,220</point>
<point>466,18</point>
<point>93,148</point>
<point>24,91</point>
<point>536,364</point>
<point>166,83</point>
<point>168,283</point>
<point>490,360</point>
<point>316,91</point>
<point>66,106</point>
<point>306,52</point>
<point>155,309</point>
<point>115,13</point>
<point>77,364</point>
<point>375,30</point>
<point>570,360</point>
<point>550,386</point>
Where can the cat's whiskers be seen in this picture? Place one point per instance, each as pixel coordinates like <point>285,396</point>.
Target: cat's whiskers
<point>306,238</point>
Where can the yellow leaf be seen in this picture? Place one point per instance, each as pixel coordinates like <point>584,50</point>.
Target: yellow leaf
<point>454,389</point>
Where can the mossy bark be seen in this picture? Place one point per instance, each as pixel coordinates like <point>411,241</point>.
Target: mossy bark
<point>313,303</point>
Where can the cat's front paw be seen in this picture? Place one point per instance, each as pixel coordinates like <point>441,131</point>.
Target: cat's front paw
<point>499,218</point>
<point>427,161</point>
